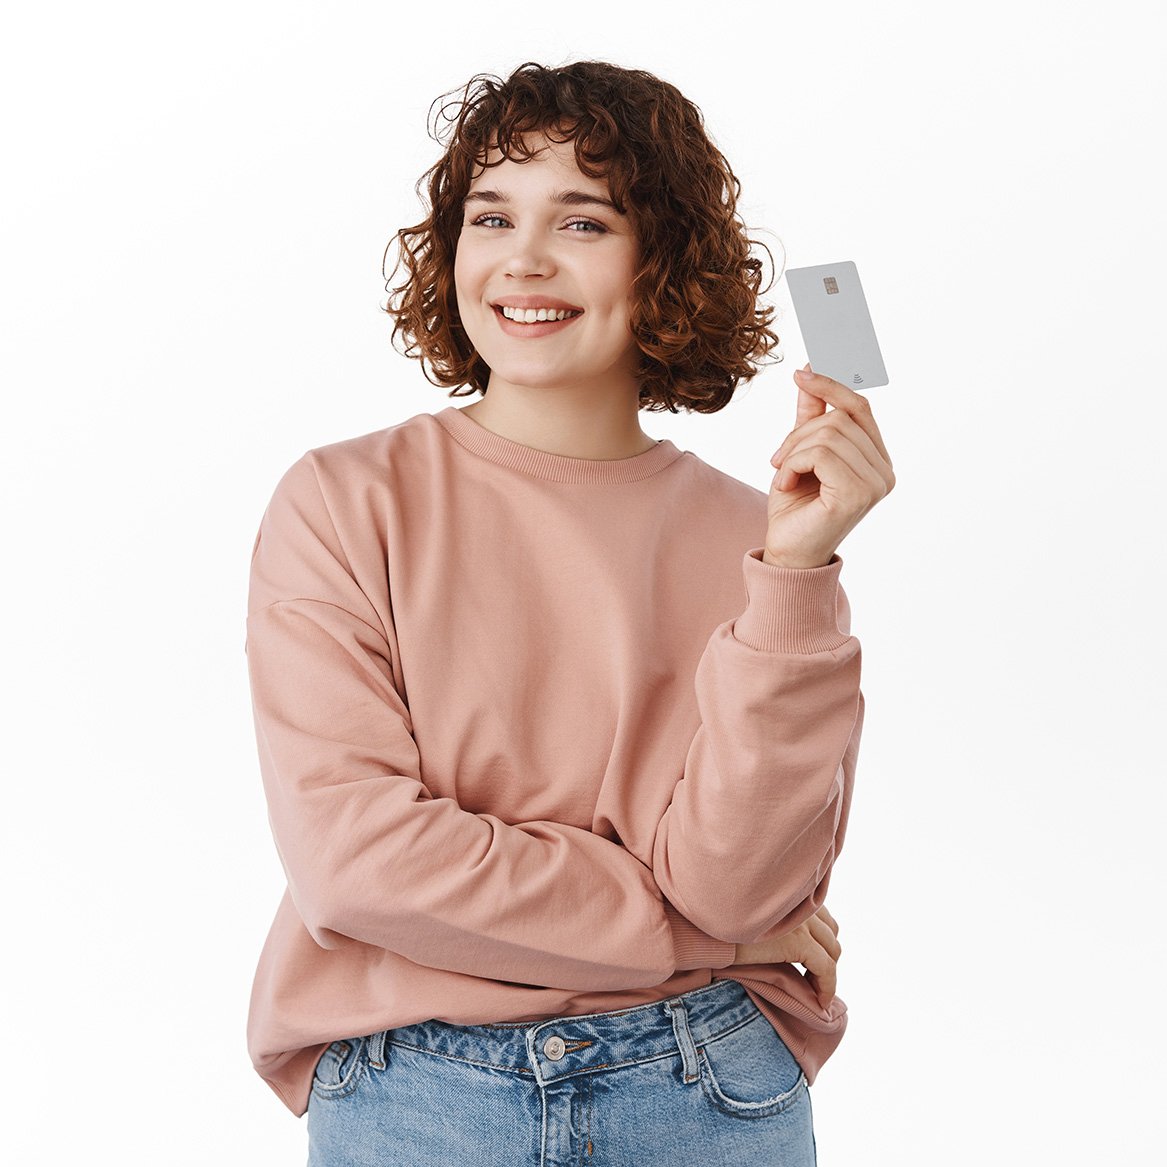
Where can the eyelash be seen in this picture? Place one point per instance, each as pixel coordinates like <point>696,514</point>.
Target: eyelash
<point>591,223</point>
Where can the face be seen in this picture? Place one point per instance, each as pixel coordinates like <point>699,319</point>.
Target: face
<point>522,245</point>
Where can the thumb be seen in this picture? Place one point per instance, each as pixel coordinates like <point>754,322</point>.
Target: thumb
<point>808,405</point>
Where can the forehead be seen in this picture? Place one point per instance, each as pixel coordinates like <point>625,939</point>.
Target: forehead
<point>551,160</point>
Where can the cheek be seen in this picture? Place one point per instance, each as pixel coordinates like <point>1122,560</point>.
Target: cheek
<point>467,276</point>
<point>461,276</point>
<point>619,291</point>
<point>463,294</point>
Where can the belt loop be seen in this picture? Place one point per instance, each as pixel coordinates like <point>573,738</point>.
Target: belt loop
<point>378,1049</point>
<point>680,1017</point>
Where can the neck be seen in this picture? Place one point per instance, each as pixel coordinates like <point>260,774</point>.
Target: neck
<point>594,425</point>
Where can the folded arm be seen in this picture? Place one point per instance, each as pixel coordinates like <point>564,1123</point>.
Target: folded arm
<point>369,854</point>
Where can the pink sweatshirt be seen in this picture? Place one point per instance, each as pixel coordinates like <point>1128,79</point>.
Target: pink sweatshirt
<point>539,736</point>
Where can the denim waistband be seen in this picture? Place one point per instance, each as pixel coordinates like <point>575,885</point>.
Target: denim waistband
<point>562,1047</point>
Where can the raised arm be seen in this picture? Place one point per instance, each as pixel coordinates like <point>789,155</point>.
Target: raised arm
<point>746,846</point>
<point>369,854</point>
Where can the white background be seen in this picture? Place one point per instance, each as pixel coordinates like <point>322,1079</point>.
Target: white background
<point>197,203</point>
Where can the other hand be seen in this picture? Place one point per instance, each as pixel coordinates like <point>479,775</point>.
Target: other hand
<point>814,944</point>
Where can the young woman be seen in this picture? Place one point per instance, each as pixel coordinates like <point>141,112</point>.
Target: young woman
<point>558,724</point>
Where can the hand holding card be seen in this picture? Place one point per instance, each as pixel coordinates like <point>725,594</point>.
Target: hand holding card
<point>833,467</point>
<point>831,470</point>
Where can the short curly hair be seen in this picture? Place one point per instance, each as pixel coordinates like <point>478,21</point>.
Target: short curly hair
<point>695,313</point>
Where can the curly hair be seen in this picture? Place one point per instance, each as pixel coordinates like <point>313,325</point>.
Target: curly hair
<point>694,313</point>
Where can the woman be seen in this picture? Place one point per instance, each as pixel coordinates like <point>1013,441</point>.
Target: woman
<point>558,724</point>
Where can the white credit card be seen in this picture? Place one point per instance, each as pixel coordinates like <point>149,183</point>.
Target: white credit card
<point>836,325</point>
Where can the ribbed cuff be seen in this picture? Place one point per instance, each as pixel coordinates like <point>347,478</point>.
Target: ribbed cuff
<point>790,609</point>
<point>694,948</point>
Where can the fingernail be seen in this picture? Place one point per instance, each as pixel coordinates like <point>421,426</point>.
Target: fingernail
<point>803,373</point>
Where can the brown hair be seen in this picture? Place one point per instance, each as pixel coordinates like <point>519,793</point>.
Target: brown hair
<point>695,312</point>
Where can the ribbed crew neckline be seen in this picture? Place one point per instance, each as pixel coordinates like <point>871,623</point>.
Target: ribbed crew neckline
<point>554,467</point>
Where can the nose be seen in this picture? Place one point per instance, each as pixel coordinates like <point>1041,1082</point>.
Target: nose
<point>529,254</point>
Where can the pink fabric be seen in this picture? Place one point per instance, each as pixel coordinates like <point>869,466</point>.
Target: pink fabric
<point>539,735</point>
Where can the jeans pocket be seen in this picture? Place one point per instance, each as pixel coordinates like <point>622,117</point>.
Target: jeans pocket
<point>750,1072</point>
<point>340,1068</point>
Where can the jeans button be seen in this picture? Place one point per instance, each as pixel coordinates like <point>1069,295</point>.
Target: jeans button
<point>554,1048</point>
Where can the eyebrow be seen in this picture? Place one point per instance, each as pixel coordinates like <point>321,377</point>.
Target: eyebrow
<point>570,198</point>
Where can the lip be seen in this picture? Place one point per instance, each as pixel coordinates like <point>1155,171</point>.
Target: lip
<point>534,302</point>
<point>536,330</point>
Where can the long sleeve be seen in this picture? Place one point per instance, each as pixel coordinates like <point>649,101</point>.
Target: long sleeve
<point>747,843</point>
<point>369,854</point>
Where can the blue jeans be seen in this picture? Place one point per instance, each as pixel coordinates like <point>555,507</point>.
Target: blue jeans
<point>697,1078</point>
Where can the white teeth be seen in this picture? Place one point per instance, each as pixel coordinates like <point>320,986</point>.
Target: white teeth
<point>533,315</point>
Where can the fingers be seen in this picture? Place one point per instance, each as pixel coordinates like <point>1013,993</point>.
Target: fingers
<point>825,936</point>
<point>814,944</point>
<point>840,467</point>
<point>824,930</point>
<point>823,973</point>
<point>855,405</point>
<point>842,424</point>
<point>844,486</point>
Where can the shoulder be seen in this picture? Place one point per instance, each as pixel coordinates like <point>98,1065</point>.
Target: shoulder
<point>339,474</point>
<point>337,494</point>
<point>726,491</point>
<point>727,484</point>
<point>322,535</point>
<point>718,515</point>
<point>370,456</point>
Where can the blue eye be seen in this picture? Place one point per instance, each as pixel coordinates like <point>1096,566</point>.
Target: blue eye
<point>597,228</point>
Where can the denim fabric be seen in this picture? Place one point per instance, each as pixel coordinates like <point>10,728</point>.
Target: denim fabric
<point>697,1078</point>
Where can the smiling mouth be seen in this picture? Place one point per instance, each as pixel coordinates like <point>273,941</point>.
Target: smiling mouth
<point>536,315</point>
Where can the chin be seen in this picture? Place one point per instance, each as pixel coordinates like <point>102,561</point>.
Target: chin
<point>532,378</point>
